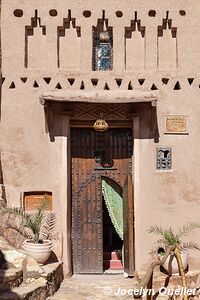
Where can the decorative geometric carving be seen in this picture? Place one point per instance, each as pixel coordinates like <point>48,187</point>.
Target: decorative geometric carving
<point>12,86</point>
<point>58,86</point>
<point>24,79</point>
<point>152,13</point>
<point>34,38</point>
<point>153,87</point>
<point>94,81</point>
<point>190,80</point>
<point>71,80</point>
<point>177,86</point>
<point>134,43</point>
<point>53,12</point>
<point>118,81</point>
<point>82,86</point>
<point>106,87</point>
<point>182,12</point>
<point>141,81</point>
<point>35,85</point>
<point>47,79</point>
<point>167,48</point>
<point>18,13</point>
<point>167,24</point>
<point>119,14</point>
<point>89,111</point>
<point>127,83</point>
<point>87,13</point>
<point>130,87</point>
<point>69,38</point>
<point>165,80</point>
<point>164,158</point>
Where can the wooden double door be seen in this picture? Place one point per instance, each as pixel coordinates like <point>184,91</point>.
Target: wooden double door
<point>96,155</point>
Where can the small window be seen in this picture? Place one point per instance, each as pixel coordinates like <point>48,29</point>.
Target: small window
<point>164,158</point>
<point>103,56</point>
<point>102,48</point>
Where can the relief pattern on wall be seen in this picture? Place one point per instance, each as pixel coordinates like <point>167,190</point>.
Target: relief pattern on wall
<point>135,45</point>
<point>167,45</point>
<point>35,43</point>
<point>69,36</point>
<point>60,82</point>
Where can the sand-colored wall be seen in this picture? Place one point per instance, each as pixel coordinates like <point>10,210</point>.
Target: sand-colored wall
<point>31,160</point>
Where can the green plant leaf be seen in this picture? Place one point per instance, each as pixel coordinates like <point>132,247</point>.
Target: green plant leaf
<point>170,238</point>
<point>34,221</point>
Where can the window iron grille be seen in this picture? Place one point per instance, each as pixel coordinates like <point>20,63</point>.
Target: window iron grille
<point>164,158</point>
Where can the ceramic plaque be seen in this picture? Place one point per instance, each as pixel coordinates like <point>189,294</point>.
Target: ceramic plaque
<point>176,124</point>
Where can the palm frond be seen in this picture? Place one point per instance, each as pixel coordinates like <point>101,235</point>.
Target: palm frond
<point>14,210</point>
<point>155,229</point>
<point>48,226</point>
<point>22,230</point>
<point>33,223</point>
<point>187,229</point>
<point>166,234</point>
<point>190,245</point>
<point>170,238</point>
<point>161,241</point>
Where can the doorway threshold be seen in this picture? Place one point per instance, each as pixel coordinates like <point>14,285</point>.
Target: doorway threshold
<point>113,272</point>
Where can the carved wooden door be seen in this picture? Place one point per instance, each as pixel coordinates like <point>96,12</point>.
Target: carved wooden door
<point>94,154</point>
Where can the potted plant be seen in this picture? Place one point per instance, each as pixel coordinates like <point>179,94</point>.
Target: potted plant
<point>169,245</point>
<point>37,228</point>
<point>170,238</point>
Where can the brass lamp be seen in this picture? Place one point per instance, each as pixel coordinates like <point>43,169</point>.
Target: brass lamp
<point>100,125</point>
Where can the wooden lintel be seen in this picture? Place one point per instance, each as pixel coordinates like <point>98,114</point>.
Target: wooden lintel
<point>100,96</point>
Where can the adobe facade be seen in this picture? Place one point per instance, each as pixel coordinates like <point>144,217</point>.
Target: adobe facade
<point>48,62</point>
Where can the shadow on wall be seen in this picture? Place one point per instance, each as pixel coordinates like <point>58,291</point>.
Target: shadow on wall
<point>5,283</point>
<point>2,187</point>
<point>148,123</point>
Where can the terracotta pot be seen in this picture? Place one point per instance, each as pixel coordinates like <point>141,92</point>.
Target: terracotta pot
<point>39,252</point>
<point>171,265</point>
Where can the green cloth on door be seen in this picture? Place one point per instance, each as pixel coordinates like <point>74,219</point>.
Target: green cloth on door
<point>112,193</point>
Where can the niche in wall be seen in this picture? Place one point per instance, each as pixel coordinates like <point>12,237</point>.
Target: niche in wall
<point>167,45</point>
<point>35,44</point>
<point>135,45</point>
<point>102,56</point>
<point>69,44</point>
<point>34,199</point>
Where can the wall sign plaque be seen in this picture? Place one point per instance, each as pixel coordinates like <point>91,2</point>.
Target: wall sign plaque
<point>176,124</point>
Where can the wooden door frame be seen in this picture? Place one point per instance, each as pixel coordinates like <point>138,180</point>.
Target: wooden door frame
<point>66,190</point>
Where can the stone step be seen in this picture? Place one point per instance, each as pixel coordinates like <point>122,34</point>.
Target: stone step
<point>160,279</point>
<point>113,264</point>
<point>111,255</point>
<point>10,278</point>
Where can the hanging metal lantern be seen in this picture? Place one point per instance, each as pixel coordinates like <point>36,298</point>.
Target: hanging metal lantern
<point>100,125</point>
<point>104,36</point>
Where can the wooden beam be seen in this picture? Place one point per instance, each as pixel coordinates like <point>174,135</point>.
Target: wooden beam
<point>101,96</point>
